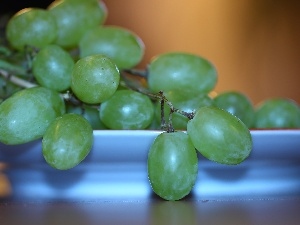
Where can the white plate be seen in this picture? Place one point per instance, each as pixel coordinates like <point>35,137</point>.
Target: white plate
<point>116,169</point>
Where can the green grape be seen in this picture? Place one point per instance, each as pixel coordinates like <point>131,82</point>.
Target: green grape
<point>52,68</point>
<point>67,141</point>
<point>124,47</point>
<point>25,115</point>
<point>237,104</point>
<point>127,109</point>
<point>220,136</point>
<point>177,71</point>
<point>88,112</point>
<point>172,165</point>
<point>277,113</point>
<point>75,18</point>
<point>95,79</point>
<point>32,27</point>
<point>184,101</point>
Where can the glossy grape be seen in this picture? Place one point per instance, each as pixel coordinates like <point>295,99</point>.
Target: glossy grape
<point>172,165</point>
<point>277,113</point>
<point>95,79</point>
<point>25,115</point>
<point>52,68</point>
<point>124,47</point>
<point>127,109</point>
<point>67,141</point>
<point>184,101</point>
<point>75,18</point>
<point>237,104</point>
<point>178,71</point>
<point>220,136</point>
<point>31,26</point>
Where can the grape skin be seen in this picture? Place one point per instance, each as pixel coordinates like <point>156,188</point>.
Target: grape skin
<point>31,26</point>
<point>52,67</point>
<point>277,113</point>
<point>172,165</point>
<point>74,18</point>
<point>67,141</point>
<point>95,79</point>
<point>220,136</point>
<point>237,104</point>
<point>178,71</point>
<point>25,115</point>
<point>124,47</point>
<point>127,109</point>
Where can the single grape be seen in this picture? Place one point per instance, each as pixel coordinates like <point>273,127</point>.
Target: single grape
<point>67,141</point>
<point>127,109</point>
<point>237,104</point>
<point>220,136</point>
<point>172,165</point>
<point>178,71</point>
<point>277,113</point>
<point>32,27</point>
<point>88,112</point>
<point>25,115</point>
<point>75,18</point>
<point>124,47</point>
<point>95,79</point>
<point>52,68</point>
<point>184,101</point>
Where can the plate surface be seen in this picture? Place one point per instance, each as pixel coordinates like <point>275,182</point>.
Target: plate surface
<point>116,169</point>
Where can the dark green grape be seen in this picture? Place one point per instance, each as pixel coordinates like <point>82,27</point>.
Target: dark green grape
<point>31,26</point>
<point>95,79</point>
<point>220,136</point>
<point>75,18</point>
<point>172,165</point>
<point>237,104</point>
<point>25,115</point>
<point>52,67</point>
<point>277,113</point>
<point>177,71</point>
<point>184,101</point>
<point>127,109</point>
<point>124,47</point>
<point>67,141</point>
<point>88,112</point>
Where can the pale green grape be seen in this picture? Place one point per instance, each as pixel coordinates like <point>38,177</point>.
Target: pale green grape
<point>52,67</point>
<point>277,113</point>
<point>31,26</point>
<point>25,115</point>
<point>95,79</point>
<point>67,141</point>
<point>88,112</point>
<point>124,47</point>
<point>237,104</point>
<point>184,101</point>
<point>172,165</point>
<point>178,71</point>
<point>75,18</point>
<point>127,109</point>
<point>220,136</point>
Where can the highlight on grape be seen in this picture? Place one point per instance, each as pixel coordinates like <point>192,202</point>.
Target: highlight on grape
<point>65,73</point>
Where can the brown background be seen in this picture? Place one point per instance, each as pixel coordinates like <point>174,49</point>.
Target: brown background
<point>253,43</point>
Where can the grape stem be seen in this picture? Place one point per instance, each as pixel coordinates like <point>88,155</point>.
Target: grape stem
<point>165,125</point>
<point>16,80</point>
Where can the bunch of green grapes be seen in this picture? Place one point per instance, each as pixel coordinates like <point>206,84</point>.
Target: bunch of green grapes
<point>74,76</point>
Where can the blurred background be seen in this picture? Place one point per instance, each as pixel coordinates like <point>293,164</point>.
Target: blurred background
<point>254,44</point>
